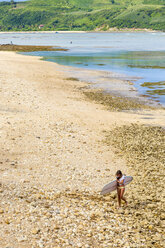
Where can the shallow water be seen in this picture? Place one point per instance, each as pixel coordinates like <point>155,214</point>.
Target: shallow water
<point>139,56</point>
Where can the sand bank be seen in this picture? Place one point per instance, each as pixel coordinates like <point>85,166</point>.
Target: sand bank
<point>22,48</point>
<point>53,163</point>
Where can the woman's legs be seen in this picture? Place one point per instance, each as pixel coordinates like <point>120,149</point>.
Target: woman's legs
<point>119,196</point>
<point>122,195</point>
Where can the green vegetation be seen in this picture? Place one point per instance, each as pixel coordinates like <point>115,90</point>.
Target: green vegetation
<point>82,15</point>
<point>156,92</point>
<point>155,88</point>
<point>153,84</point>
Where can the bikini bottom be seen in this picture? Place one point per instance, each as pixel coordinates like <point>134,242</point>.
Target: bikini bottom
<point>121,187</point>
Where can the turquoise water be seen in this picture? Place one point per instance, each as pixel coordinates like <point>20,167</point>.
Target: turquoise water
<point>135,55</point>
<point>147,66</point>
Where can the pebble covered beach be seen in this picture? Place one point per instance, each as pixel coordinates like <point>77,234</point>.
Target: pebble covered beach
<point>59,147</point>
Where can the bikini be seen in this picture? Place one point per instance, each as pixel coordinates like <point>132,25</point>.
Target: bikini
<point>121,186</point>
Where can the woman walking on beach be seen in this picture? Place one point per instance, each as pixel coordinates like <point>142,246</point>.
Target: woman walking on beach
<point>120,179</point>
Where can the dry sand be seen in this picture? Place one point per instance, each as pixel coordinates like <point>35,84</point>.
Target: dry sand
<point>51,153</point>
<point>97,30</point>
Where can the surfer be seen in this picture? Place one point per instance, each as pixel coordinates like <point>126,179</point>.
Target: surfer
<point>120,179</point>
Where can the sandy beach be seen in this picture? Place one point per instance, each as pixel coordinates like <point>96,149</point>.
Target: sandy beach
<point>54,161</point>
<point>110,30</point>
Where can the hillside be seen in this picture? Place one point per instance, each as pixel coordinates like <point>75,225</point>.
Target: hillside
<point>82,15</point>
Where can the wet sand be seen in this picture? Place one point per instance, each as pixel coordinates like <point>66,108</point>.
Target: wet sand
<point>54,162</point>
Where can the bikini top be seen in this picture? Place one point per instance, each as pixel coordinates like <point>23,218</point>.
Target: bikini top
<point>121,179</point>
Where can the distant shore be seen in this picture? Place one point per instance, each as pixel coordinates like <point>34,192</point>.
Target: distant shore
<point>111,30</point>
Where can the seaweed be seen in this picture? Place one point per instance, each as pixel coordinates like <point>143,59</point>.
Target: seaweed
<point>115,103</point>
<point>24,48</point>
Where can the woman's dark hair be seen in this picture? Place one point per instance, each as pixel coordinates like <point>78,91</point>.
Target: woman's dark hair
<point>119,172</point>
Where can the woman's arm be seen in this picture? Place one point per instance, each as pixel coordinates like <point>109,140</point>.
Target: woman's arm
<point>120,182</point>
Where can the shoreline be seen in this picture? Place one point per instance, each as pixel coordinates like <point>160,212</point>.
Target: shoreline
<point>112,30</point>
<point>110,83</point>
<point>97,79</point>
<point>54,162</point>
<point>144,96</point>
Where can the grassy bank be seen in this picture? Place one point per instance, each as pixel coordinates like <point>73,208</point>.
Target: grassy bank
<point>82,15</point>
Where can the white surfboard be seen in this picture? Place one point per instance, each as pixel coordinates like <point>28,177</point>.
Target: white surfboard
<point>113,185</point>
